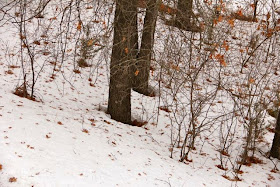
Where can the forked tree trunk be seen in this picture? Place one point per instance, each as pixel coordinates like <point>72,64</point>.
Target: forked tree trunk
<point>184,14</point>
<point>275,149</point>
<point>142,70</point>
<point>119,104</point>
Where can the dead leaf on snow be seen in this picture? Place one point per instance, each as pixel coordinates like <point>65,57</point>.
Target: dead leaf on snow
<point>12,179</point>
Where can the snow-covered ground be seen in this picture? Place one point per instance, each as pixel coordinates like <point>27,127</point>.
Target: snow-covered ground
<point>66,138</point>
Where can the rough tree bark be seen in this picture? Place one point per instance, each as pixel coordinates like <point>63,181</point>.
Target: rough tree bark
<point>135,36</point>
<point>275,149</point>
<point>119,104</point>
<point>136,43</point>
<point>184,14</point>
<point>141,71</point>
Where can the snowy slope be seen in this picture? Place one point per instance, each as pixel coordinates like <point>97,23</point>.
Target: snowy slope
<point>66,138</point>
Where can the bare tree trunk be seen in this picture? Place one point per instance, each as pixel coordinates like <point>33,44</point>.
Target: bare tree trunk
<point>142,71</point>
<point>135,31</point>
<point>255,9</point>
<point>275,149</point>
<point>119,104</point>
<point>184,14</point>
<point>136,46</point>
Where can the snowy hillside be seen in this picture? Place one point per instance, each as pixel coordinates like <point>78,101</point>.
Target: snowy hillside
<point>66,138</point>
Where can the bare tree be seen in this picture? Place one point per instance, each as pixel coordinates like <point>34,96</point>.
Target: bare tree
<point>119,104</point>
<point>275,149</point>
<point>184,14</point>
<point>142,69</point>
<point>255,9</point>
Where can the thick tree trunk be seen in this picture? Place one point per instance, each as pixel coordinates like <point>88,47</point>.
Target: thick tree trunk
<point>119,104</point>
<point>142,71</point>
<point>184,14</point>
<point>275,150</point>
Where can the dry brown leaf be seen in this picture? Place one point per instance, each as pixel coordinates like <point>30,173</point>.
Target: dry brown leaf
<point>231,22</point>
<point>79,26</point>
<point>90,42</point>
<point>251,80</point>
<point>12,179</point>
<point>126,50</point>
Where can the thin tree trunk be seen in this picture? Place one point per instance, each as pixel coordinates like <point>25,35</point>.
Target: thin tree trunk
<point>255,9</point>
<point>275,149</point>
<point>136,46</point>
<point>142,71</point>
<point>119,104</point>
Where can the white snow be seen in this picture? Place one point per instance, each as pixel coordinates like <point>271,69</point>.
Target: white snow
<point>67,139</point>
